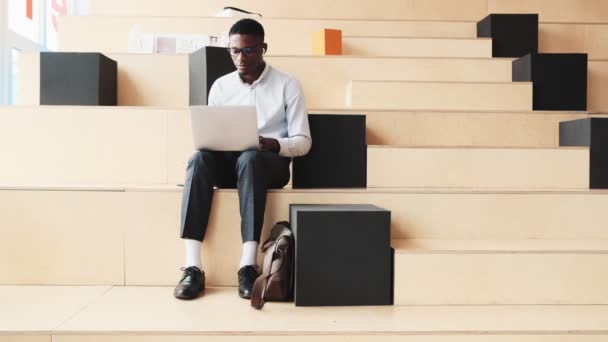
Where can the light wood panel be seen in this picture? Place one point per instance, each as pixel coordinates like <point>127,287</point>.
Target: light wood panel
<point>477,168</point>
<point>284,36</point>
<point>452,272</point>
<point>139,229</point>
<point>339,9</point>
<point>41,309</point>
<point>62,238</point>
<point>220,311</point>
<point>82,145</point>
<point>162,80</point>
<point>597,83</point>
<point>574,38</point>
<point>578,11</point>
<point>485,337</point>
<point>439,95</point>
<point>416,47</point>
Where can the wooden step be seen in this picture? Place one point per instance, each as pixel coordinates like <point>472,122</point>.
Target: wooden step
<point>574,38</point>
<point>389,166</point>
<point>284,36</point>
<point>143,79</point>
<point>338,9</point>
<point>133,314</point>
<point>563,11</point>
<point>452,272</point>
<point>440,95</point>
<point>396,128</point>
<point>416,47</point>
<point>113,147</point>
<point>134,232</point>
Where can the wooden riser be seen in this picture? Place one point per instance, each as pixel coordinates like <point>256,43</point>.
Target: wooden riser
<point>440,95</point>
<point>509,272</point>
<point>417,47</point>
<point>340,9</point>
<point>152,314</point>
<point>285,36</point>
<point>586,11</point>
<point>135,240</point>
<point>39,148</point>
<point>143,79</point>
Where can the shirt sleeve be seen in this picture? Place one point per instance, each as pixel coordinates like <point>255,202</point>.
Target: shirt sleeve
<point>213,98</point>
<point>298,140</point>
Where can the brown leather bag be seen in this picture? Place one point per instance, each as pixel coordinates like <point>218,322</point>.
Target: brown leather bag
<point>275,284</point>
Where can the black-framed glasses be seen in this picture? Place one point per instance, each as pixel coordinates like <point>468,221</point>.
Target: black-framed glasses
<point>247,51</point>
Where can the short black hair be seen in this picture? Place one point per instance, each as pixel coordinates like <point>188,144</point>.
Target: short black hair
<point>247,26</point>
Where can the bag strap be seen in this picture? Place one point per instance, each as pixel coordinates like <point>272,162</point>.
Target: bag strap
<point>261,283</point>
<point>241,10</point>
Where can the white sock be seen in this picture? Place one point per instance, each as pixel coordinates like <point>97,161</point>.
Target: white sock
<point>193,253</point>
<point>250,252</point>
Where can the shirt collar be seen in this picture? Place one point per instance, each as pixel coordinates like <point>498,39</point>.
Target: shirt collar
<point>260,79</point>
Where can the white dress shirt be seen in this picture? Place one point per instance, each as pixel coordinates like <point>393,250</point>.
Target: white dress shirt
<point>279,101</point>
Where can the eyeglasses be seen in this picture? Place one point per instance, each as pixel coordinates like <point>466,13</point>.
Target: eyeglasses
<point>247,51</point>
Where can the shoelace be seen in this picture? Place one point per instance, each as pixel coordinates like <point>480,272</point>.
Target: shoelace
<point>190,271</point>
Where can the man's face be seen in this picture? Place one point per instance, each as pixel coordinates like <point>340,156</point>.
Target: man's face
<point>247,53</point>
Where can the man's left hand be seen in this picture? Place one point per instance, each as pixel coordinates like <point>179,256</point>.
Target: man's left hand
<point>269,144</point>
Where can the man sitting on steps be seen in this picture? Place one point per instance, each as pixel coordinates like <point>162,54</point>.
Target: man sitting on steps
<point>284,133</point>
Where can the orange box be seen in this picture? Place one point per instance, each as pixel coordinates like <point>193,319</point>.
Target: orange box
<point>327,42</point>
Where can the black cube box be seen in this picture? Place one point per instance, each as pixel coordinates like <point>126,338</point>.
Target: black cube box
<point>207,65</point>
<point>592,132</point>
<point>513,35</point>
<point>338,156</point>
<point>81,79</point>
<point>559,79</point>
<point>343,255</point>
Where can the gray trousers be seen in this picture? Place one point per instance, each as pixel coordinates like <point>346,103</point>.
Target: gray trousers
<point>251,172</point>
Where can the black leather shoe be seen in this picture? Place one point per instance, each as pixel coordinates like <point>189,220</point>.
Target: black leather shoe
<point>191,285</point>
<point>247,276</point>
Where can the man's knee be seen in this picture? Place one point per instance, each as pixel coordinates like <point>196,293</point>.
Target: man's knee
<point>200,158</point>
<point>247,159</point>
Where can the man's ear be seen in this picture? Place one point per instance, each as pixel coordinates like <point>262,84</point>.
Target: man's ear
<point>264,48</point>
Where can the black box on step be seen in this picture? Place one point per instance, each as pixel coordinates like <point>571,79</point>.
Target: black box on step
<point>338,156</point>
<point>513,35</point>
<point>343,255</point>
<point>81,79</point>
<point>205,66</point>
<point>592,132</point>
<point>559,79</point>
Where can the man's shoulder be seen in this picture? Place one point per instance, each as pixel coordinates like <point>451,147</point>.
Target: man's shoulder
<point>283,77</point>
<point>226,79</point>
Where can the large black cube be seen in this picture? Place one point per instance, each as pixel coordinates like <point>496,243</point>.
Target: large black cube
<point>591,132</point>
<point>343,255</point>
<point>207,65</point>
<point>82,79</point>
<point>513,35</point>
<point>338,156</point>
<point>559,79</point>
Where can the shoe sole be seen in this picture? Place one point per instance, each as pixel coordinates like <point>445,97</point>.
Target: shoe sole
<point>199,292</point>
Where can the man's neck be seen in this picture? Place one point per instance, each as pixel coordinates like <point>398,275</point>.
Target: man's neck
<point>249,79</point>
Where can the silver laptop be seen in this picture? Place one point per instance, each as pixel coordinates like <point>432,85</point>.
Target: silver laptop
<point>229,128</point>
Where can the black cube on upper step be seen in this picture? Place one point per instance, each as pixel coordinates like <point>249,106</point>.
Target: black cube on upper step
<point>591,132</point>
<point>207,65</point>
<point>338,156</point>
<point>343,255</point>
<point>513,35</point>
<point>83,79</point>
<point>559,79</point>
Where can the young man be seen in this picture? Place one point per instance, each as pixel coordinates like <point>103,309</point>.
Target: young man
<point>284,133</point>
